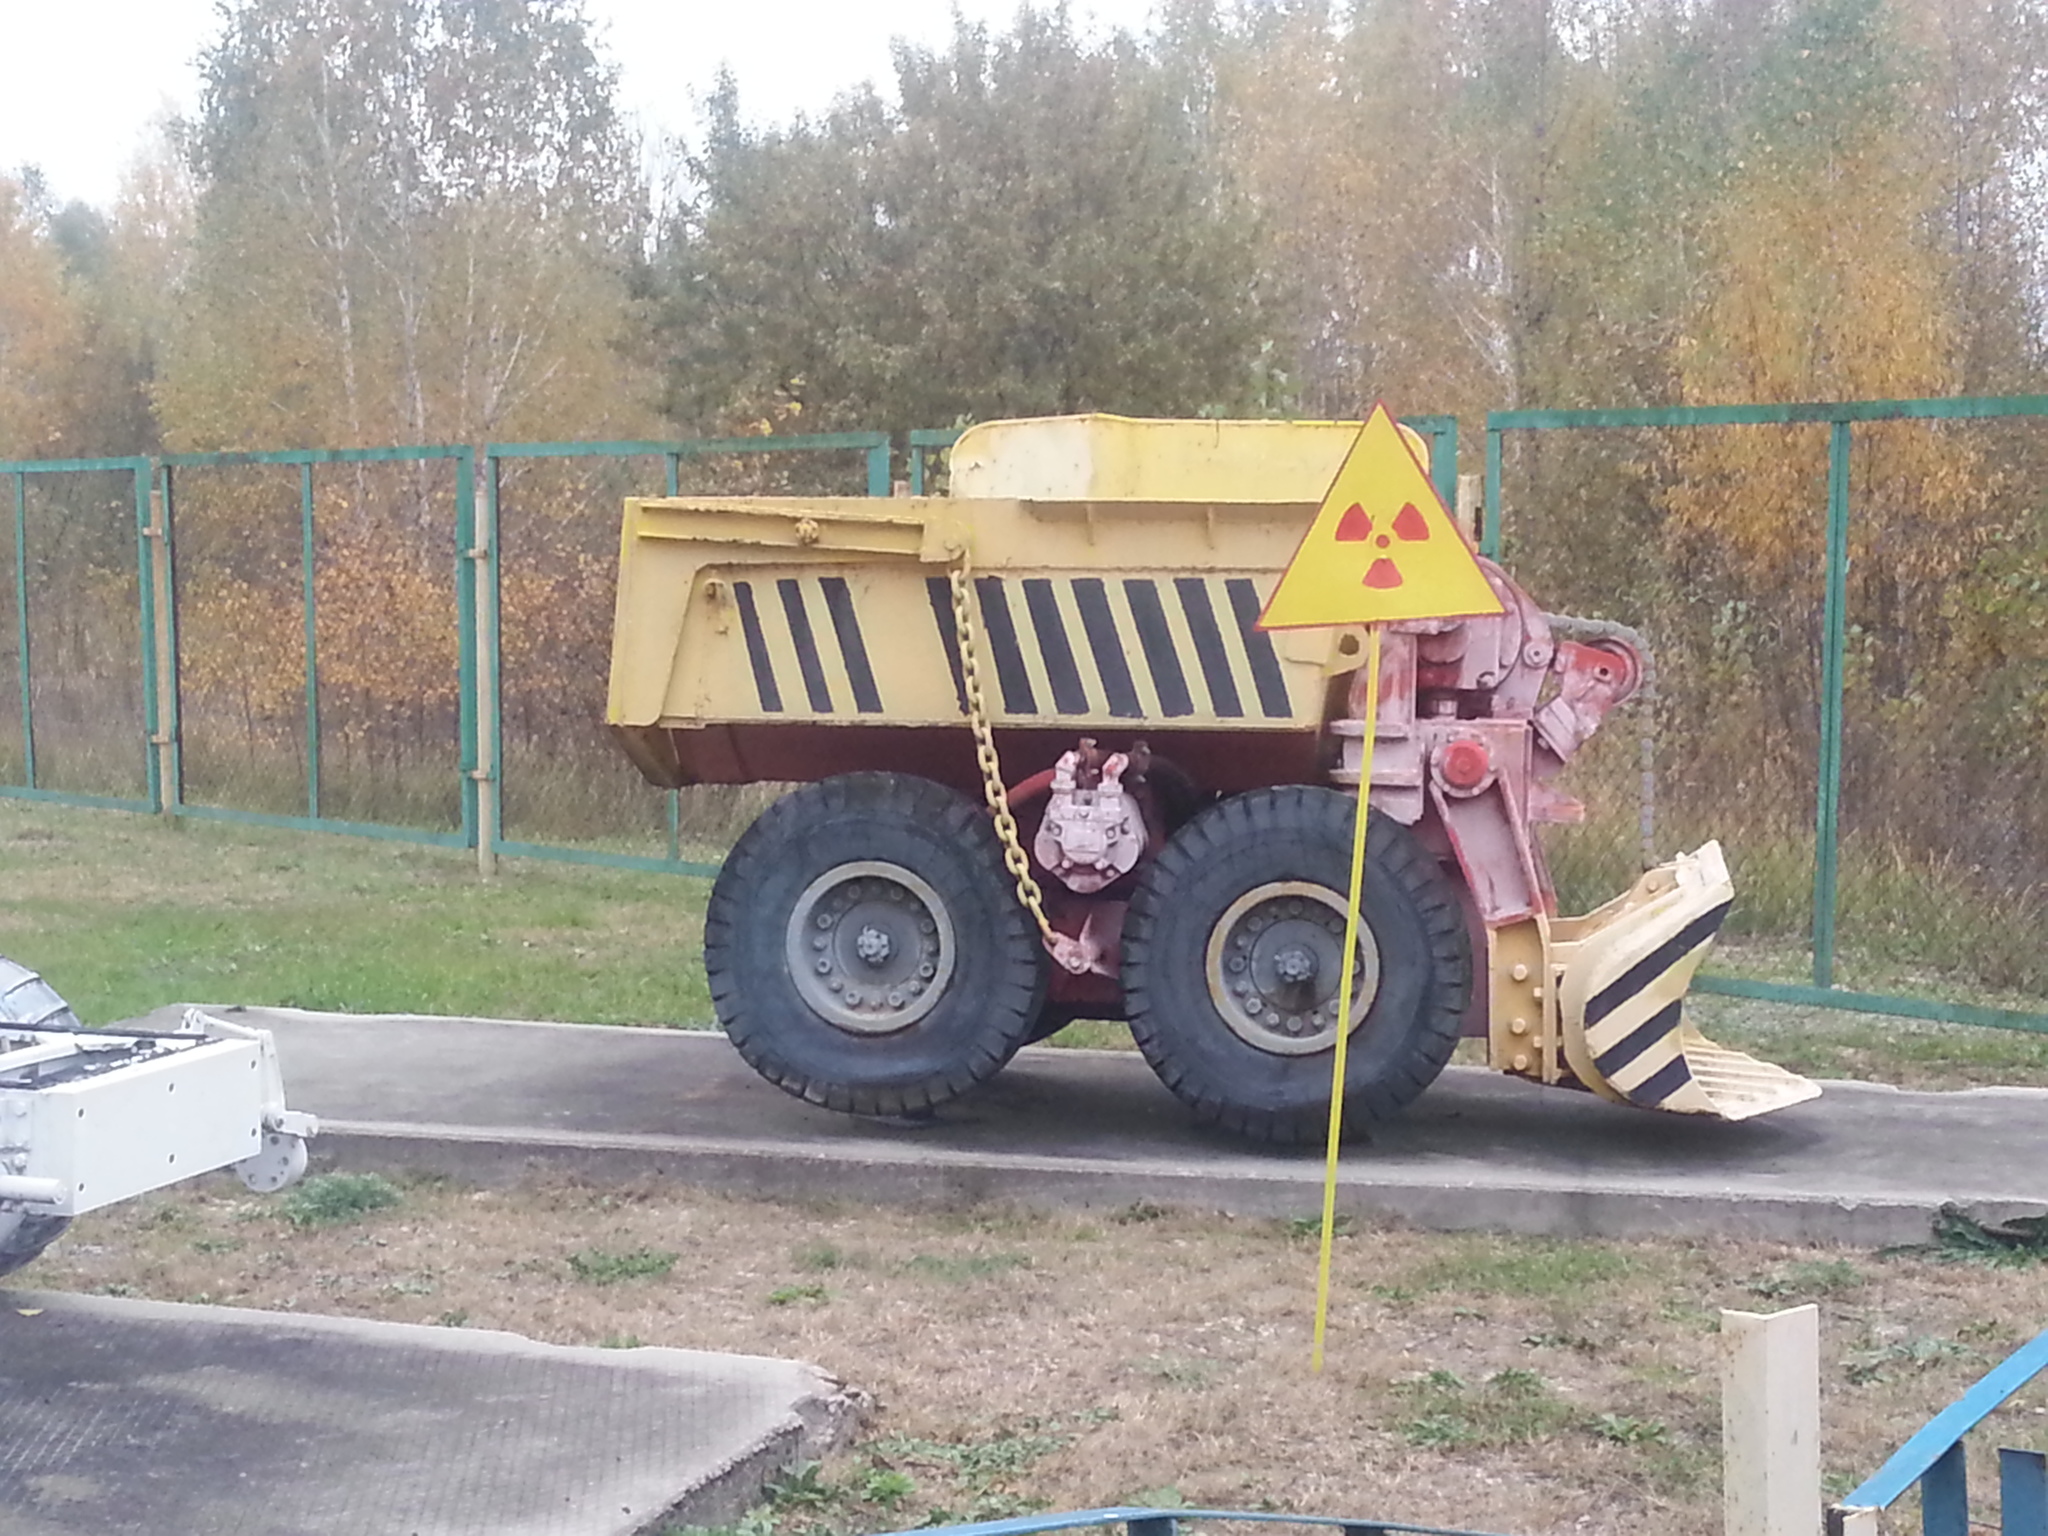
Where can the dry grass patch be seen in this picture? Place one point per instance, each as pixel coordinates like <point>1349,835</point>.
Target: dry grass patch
<point>1023,1361</point>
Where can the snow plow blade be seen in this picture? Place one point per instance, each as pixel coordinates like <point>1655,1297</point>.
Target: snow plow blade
<point>1614,1017</point>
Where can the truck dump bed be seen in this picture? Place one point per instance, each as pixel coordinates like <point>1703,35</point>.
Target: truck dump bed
<point>1113,588</point>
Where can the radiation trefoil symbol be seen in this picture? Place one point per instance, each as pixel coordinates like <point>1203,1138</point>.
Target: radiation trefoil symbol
<point>1381,548</point>
<point>1410,527</point>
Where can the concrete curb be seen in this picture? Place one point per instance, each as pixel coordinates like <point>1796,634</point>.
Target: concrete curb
<point>946,1178</point>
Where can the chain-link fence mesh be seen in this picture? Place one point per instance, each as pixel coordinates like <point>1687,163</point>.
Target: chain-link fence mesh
<point>348,568</point>
<point>1710,539</point>
<point>1713,540</point>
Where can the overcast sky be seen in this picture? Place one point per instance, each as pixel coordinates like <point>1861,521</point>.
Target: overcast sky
<point>81,80</point>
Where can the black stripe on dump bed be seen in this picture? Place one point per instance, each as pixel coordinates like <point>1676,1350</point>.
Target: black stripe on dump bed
<point>806,645</point>
<point>1167,679</point>
<point>940,590</point>
<point>1015,682</point>
<point>1208,638</point>
<point>853,649</point>
<point>757,648</point>
<point>1068,696</point>
<point>1258,648</point>
<point>1092,599</point>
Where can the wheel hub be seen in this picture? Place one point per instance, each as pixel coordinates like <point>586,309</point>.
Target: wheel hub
<point>870,947</point>
<point>1273,962</point>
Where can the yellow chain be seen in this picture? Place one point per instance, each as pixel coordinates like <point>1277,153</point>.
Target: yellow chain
<point>1015,860</point>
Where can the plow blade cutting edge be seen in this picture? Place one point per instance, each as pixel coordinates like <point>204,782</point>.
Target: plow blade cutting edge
<point>1616,1013</point>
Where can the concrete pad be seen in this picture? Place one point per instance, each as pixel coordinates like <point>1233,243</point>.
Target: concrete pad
<point>489,1100</point>
<point>119,1416</point>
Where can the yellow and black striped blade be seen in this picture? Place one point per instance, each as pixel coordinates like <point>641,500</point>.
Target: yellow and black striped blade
<point>1622,1001</point>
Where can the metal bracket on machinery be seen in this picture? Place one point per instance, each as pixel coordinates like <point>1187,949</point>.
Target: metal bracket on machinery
<point>91,1117</point>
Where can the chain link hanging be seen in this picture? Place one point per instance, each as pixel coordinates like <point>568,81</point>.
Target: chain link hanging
<point>1015,860</point>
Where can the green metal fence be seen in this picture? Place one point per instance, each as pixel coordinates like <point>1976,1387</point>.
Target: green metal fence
<point>1941,823</point>
<point>198,635</point>
<point>553,786</point>
<point>243,540</point>
<point>80,527</point>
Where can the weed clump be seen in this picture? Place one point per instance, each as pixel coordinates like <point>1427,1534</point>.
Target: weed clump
<point>601,1267</point>
<point>338,1199</point>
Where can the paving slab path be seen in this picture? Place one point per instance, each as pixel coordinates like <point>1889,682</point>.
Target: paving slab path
<point>152,1417</point>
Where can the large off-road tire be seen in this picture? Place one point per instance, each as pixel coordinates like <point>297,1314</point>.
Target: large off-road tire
<point>1231,954</point>
<point>866,950</point>
<point>23,1238</point>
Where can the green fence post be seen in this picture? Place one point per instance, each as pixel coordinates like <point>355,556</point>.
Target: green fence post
<point>465,636</point>
<point>28,706</point>
<point>145,589</point>
<point>1834,647</point>
<point>492,678</point>
<point>674,461</point>
<point>312,642</point>
<point>878,469</point>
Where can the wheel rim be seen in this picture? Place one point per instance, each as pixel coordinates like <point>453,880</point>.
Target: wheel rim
<point>1272,962</point>
<point>870,947</point>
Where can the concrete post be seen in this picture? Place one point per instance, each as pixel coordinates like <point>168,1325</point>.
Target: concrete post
<point>1770,1423</point>
<point>164,592</point>
<point>1471,508</point>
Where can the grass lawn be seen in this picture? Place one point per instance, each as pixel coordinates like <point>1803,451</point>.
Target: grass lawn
<point>123,913</point>
<point>1021,1361</point>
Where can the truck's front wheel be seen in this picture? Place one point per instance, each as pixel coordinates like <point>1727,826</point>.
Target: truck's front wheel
<point>864,949</point>
<point>1233,962</point>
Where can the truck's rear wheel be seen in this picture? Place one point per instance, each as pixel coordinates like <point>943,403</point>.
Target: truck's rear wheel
<point>1232,949</point>
<point>864,947</point>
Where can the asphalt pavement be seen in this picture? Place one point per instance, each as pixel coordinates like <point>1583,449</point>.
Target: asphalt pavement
<point>493,1100</point>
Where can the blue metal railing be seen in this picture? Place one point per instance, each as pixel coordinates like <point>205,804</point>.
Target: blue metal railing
<point>1933,1458</point>
<point>1142,1521</point>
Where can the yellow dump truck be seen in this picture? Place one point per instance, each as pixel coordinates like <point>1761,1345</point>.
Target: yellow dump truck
<point>1050,769</point>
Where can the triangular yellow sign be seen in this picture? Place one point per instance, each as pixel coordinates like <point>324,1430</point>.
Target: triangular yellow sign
<point>1382,546</point>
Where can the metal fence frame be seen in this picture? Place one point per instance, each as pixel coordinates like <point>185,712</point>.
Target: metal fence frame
<point>1838,416</point>
<point>475,563</point>
<point>140,468</point>
<point>1933,1458</point>
<point>168,789</point>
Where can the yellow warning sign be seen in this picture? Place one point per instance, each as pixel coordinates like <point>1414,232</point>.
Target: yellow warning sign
<point>1382,546</point>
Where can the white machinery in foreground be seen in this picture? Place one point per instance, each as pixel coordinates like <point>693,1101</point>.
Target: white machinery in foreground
<point>92,1117</point>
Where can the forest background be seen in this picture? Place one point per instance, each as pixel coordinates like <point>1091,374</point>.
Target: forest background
<point>424,221</point>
